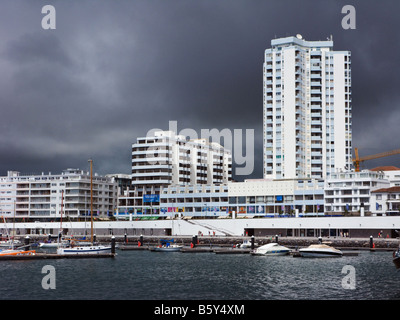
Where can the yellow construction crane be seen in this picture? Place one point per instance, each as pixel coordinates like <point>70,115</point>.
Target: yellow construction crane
<point>357,160</point>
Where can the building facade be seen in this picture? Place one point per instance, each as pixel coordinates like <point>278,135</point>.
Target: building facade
<point>249,199</point>
<point>166,159</point>
<point>47,197</point>
<point>277,198</point>
<point>349,193</point>
<point>386,201</point>
<point>307,109</point>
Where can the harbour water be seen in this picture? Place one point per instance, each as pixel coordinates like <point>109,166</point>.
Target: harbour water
<point>146,275</point>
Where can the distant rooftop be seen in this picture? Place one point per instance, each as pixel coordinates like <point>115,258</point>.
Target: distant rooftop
<point>388,190</point>
<point>385,168</point>
<point>298,39</point>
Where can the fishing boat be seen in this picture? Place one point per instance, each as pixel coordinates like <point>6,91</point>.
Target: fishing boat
<point>167,246</point>
<point>93,248</point>
<point>320,251</point>
<point>271,249</point>
<point>396,258</point>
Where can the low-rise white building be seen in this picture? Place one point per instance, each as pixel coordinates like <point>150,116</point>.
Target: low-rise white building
<point>40,197</point>
<point>251,198</point>
<point>201,201</point>
<point>350,192</point>
<point>386,201</point>
<point>271,198</point>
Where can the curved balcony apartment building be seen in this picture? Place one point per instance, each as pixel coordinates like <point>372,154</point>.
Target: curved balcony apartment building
<point>165,159</point>
<point>307,109</point>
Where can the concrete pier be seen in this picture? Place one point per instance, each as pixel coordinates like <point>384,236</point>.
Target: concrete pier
<point>197,249</point>
<point>232,251</point>
<point>133,247</point>
<point>291,242</point>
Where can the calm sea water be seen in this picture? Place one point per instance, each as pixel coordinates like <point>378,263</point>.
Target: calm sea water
<point>145,275</point>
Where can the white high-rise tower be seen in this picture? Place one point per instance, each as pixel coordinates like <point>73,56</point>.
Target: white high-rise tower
<point>307,109</point>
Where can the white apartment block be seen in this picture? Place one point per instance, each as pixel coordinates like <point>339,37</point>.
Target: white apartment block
<point>352,192</point>
<point>41,197</point>
<point>386,201</point>
<point>166,158</point>
<point>307,109</point>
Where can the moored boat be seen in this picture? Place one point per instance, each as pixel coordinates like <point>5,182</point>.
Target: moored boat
<point>167,246</point>
<point>271,249</point>
<point>48,245</point>
<point>9,243</point>
<point>246,244</point>
<point>94,249</point>
<point>320,251</point>
<point>170,248</point>
<point>12,243</point>
<point>396,258</point>
<point>12,252</point>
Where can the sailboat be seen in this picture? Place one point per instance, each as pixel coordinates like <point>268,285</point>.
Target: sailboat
<point>93,248</point>
<point>12,251</point>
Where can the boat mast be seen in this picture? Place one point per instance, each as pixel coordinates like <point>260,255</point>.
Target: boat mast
<point>91,200</point>
<point>13,230</point>
<point>61,213</point>
<point>5,222</point>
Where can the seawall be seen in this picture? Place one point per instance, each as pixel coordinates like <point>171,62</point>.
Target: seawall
<point>230,241</point>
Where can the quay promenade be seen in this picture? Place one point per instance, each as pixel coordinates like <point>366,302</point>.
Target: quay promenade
<point>231,241</point>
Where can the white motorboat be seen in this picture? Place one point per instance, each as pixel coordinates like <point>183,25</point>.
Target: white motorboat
<point>45,245</point>
<point>168,248</point>
<point>246,244</point>
<point>320,250</point>
<point>9,243</point>
<point>271,249</point>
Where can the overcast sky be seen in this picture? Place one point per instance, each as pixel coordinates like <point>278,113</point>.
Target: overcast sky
<point>112,70</point>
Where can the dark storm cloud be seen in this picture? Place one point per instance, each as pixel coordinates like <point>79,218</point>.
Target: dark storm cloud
<point>113,70</point>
